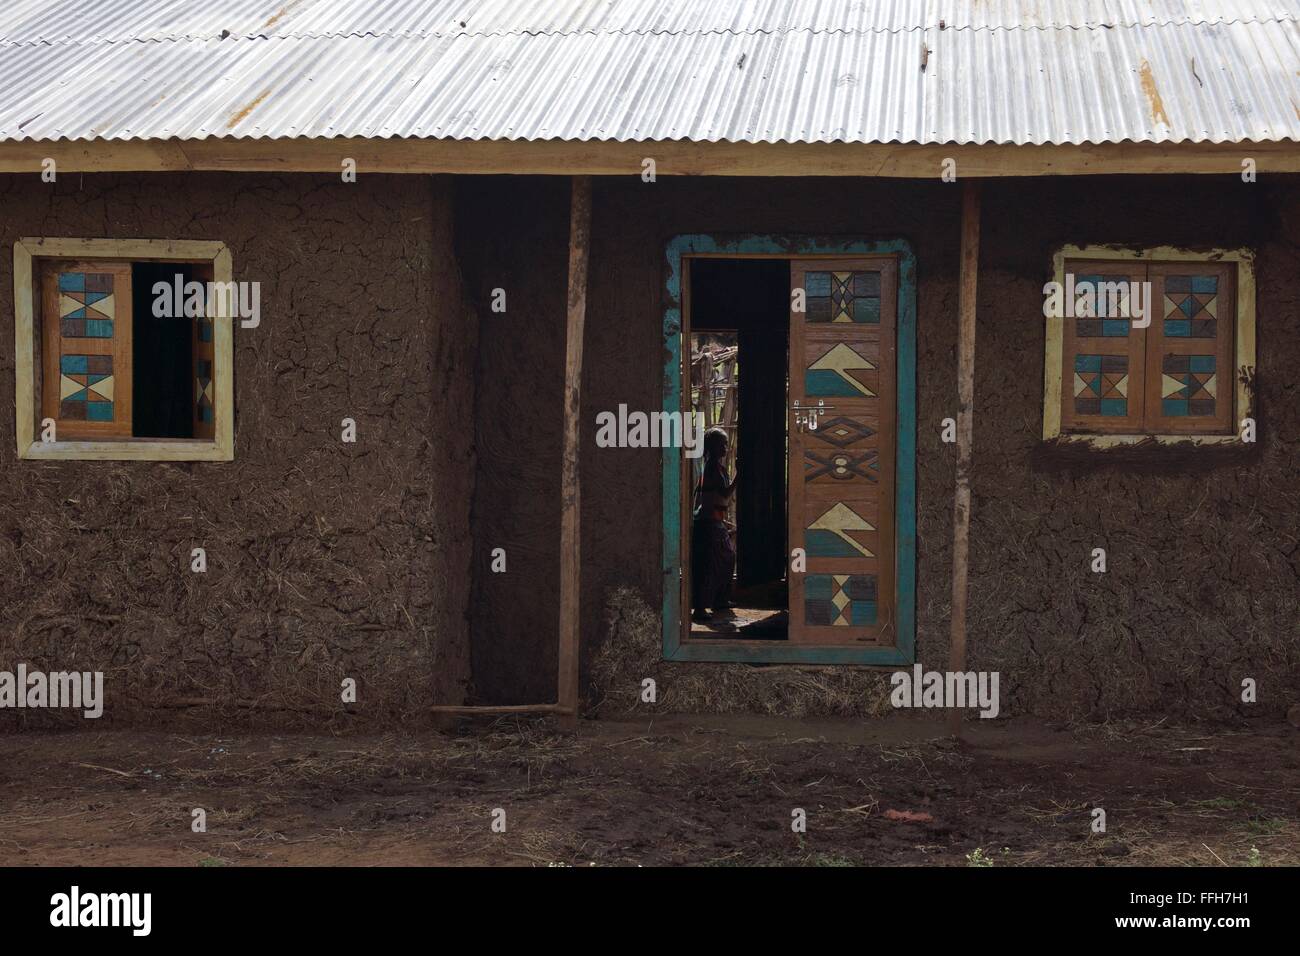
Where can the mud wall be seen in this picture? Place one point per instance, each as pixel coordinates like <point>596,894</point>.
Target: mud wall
<point>325,560</point>
<point>1203,564</point>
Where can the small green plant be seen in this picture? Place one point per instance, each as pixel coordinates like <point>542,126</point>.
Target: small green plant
<point>1219,803</point>
<point>211,861</point>
<point>1265,826</point>
<point>1254,857</point>
<point>979,858</point>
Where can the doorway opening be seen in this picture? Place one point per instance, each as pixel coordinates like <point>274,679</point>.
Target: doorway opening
<point>738,377</point>
<point>834,364</point>
<point>805,363</point>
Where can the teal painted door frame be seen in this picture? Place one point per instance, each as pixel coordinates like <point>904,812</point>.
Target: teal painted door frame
<point>679,252</point>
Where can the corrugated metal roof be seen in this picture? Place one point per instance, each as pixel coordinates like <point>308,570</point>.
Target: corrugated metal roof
<point>999,71</point>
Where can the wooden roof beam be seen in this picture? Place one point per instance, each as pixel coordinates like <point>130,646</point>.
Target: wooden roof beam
<point>678,158</point>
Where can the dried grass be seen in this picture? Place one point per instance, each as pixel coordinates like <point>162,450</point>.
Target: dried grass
<point>633,651</point>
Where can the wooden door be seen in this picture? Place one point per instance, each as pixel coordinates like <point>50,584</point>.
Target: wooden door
<point>842,447</point>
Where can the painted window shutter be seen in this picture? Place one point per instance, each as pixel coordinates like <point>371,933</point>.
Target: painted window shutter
<point>1190,347</point>
<point>842,471</point>
<point>203,333</point>
<point>1104,355</point>
<point>86,364</point>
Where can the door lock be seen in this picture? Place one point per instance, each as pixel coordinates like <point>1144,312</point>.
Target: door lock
<point>808,416</point>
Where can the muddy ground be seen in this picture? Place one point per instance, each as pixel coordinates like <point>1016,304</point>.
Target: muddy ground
<point>677,790</point>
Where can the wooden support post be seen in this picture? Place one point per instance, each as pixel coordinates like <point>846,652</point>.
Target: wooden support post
<point>970,255</point>
<point>570,523</point>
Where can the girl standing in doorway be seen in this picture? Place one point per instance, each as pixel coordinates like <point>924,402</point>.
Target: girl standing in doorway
<point>713,552</point>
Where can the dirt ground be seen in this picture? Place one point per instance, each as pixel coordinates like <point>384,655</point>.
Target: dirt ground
<point>675,790</point>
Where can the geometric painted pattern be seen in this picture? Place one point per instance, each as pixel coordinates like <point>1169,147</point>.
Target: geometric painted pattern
<point>831,375</point>
<point>841,465</point>
<point>841,431</point>
<point>843,296</point>
<point>1101,385</point>
<point>1107,323</point>
<point>840,600</point>
<point>86,305</point>
<point>837,534</point>
<point>86,388</point>
<point>1188,385</point>
<point>203,390</point>
<point>1191,306</point>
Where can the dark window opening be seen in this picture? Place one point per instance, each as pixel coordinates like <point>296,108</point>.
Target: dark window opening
<point>162,351</point>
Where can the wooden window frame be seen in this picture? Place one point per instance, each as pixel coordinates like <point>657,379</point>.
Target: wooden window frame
<point>28,253</point>
<point>1243,345</point>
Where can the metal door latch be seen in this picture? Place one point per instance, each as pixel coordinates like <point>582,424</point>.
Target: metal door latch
<point>808,416</point>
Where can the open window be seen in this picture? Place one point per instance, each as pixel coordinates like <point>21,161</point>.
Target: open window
<point>1149,344</point>
<point>123,349</point>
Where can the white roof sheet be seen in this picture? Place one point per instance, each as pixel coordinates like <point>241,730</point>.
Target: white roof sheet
<point>995,71</point>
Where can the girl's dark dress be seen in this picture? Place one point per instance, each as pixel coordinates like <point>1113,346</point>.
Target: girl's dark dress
<point>713,554</point>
